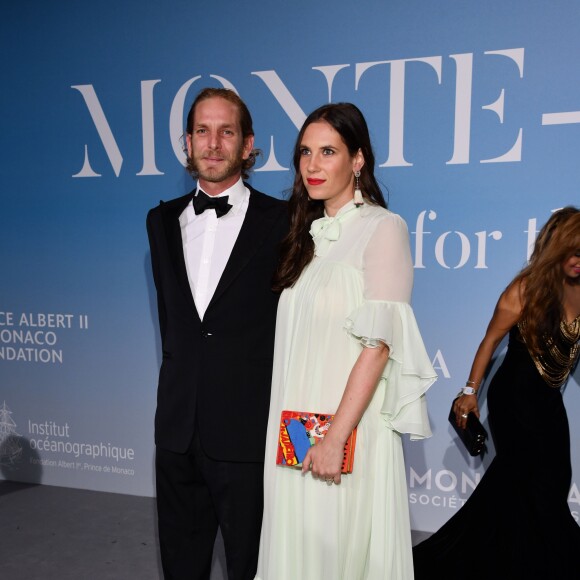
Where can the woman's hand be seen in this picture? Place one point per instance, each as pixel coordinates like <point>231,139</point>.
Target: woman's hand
<point>464,405</point>
<point>324,460</point>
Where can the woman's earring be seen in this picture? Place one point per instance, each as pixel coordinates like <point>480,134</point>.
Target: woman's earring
<point>358,197</point>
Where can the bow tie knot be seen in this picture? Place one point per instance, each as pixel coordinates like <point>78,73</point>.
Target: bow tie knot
<point>324,230</point>
<point>202,201</point>
<point>326,227</point>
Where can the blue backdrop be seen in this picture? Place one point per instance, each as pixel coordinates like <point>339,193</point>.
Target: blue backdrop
<point>474,110</point>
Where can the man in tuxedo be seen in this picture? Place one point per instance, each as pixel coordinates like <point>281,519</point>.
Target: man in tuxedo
<point>213,254</point>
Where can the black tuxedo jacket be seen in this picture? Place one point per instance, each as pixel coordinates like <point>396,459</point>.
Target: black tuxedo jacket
<point>216,374</point>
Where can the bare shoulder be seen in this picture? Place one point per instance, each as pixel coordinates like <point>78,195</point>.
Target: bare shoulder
<point>511,298</point>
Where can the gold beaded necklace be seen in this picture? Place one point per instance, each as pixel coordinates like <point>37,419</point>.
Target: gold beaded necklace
<point>559,356</point>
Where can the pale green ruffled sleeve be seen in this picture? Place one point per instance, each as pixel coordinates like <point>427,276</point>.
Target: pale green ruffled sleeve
<point>408,373</point>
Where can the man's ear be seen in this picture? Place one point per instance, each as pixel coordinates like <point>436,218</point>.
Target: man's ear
<point>248,146</point>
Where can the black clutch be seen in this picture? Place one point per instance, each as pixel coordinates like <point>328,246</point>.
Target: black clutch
<point>474,434</point>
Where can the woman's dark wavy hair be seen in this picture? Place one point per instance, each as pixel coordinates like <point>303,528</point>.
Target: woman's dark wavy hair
<point>245,124</point>
<point>541,279</point>
<point>297,249</point>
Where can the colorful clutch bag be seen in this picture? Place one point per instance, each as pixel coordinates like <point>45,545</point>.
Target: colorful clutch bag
<point>300,430</point>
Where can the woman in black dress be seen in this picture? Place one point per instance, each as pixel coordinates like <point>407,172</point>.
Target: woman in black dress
<point>517,523</point>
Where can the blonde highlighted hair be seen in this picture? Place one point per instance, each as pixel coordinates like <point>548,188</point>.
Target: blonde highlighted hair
<point>541,280</point>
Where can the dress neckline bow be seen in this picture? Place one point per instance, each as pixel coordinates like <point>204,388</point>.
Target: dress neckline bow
<point>326,230</point>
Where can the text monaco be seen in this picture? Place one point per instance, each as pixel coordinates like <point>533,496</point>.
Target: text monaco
<point>448,482</point>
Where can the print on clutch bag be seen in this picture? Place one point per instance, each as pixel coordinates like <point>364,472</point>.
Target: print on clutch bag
<point>300,430</point>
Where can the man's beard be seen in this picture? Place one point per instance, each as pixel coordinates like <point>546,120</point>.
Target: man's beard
<point>231,165</point>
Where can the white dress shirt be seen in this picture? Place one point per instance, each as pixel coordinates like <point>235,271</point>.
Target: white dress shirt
<point>208,242</point>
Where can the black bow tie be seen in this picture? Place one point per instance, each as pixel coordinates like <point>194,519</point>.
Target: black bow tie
<point>202,201</point>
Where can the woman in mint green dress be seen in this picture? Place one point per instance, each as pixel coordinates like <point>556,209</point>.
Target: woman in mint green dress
<point>347,343</point>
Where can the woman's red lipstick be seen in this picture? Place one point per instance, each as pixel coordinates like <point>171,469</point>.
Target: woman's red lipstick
<point>315,181</point>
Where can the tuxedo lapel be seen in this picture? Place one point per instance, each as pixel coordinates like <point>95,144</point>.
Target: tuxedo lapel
<point>171,212</point>
<point>256,227</point>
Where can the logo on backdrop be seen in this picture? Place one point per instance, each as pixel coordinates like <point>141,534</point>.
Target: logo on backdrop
<point>10,447</point>
<point>448,489</point>
<point>55,446</point>
<point>34,337</point>
<point>455,249</point>
<point>461,71</point>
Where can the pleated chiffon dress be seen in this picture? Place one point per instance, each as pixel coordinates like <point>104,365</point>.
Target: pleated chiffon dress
<point>354,293</point>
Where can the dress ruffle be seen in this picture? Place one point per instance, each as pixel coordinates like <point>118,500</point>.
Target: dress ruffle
<point>409,372</point>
